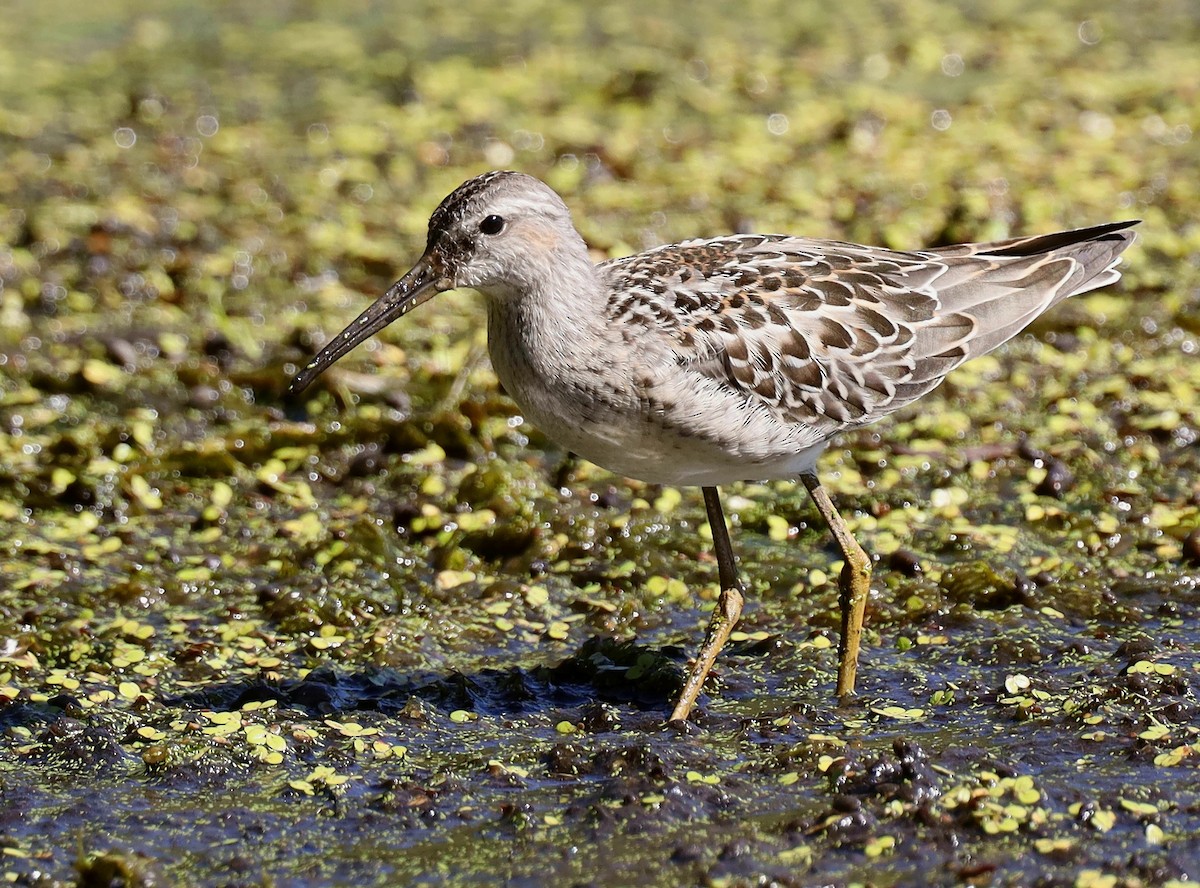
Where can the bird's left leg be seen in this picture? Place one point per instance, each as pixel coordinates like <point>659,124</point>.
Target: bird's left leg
<point>726,613</point>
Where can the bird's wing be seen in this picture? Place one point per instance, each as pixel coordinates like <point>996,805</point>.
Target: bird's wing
<point>832,334</point>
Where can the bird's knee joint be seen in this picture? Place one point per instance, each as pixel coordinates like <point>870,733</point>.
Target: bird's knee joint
<point>729,605</point>
<point>858,564</point>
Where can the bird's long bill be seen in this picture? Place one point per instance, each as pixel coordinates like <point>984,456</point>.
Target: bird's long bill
<point>419,285</point>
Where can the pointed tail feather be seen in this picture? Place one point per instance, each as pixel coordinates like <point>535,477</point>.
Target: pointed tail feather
<point>1096,250</point>
<point>1003,286</point>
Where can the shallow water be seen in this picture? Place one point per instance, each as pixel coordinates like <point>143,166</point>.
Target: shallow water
<point>385,636</point>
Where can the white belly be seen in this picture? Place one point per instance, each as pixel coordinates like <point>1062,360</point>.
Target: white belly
<point>636,411</point>
<point>650,454</point>
<point>661,442</point>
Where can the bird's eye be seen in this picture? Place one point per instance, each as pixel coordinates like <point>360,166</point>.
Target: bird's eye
<point>492,225</point>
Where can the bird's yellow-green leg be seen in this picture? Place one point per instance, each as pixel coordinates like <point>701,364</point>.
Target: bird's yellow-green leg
<point>854,585</point>
<point>725,615</point>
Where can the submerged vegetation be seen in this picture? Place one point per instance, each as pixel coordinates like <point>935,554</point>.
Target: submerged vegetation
<point>391,635</point>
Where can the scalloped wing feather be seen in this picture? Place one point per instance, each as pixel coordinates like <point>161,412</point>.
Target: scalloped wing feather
<point>833,335</point>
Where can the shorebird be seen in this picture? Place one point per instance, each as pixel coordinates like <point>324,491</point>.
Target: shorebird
<point>725,359</point>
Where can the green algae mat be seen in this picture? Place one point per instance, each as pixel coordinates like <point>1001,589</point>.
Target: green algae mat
<point>389,634</point>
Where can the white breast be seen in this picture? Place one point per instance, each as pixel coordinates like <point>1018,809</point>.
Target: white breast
<point>613,406</point>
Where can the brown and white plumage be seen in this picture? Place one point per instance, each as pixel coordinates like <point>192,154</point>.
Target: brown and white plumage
<point>832,335</point>
<point>733,358</point>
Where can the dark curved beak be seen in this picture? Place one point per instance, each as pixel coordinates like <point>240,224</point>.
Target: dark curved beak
<point>421,284</point>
